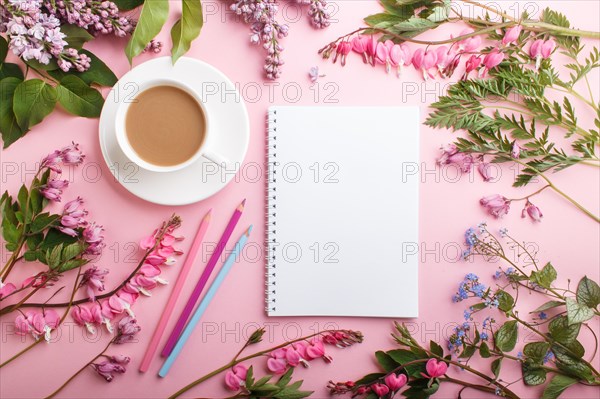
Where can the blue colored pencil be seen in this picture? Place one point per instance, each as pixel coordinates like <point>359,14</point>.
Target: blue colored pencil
<point>187,332</point>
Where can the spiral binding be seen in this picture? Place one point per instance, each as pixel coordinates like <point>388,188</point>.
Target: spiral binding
<point>271,213</point>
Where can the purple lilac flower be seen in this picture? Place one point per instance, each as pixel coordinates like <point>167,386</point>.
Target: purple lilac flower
<point>97,17</point>
<point>266,31</point>
<point>34,34</point>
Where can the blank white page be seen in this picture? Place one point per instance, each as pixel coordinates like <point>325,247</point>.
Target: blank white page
<point>343,211</point>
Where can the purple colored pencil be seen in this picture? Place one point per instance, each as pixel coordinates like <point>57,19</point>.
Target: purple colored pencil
<point>210,266</point>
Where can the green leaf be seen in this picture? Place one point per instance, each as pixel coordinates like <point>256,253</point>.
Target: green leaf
<point>370,378</point>
<point>250,377</point>
<point>562,331</point>
<point>3,49</point>
<point>385,361</point>
<point>536,350</point>
<point>33,240</point>
<point>98,72</point>
<point>403,356</point>
<point>55,237</point>
<point>50,66</point>
<point>496,367</point>
<point>421,388</point>
<point>533,374</point>
<point>187,28</point>
<point>484,350</point>
<point>10,70</point>
<point>53,256</point>
<point>125,5</point>
<point>36,201</point>
<point>42,222</point>
<point>557,385</point>
<point>436,349</point>
<point>578,313</point>
<point>10,232</point>
<point>572,365</point>
<point>285,379</point>
<point>545,277</point>
<point>506,336</point>
<point>588,292</point>
<point>76,36</point>
<point>415,24</point>
<point>9,127</point>
<point>78,98</point>
<point>505,301</point>
<point>33,101</point>
<point>72,264</point>
<point>152,18</point>
<point>468,351</point>
<point>30,256</point>
<point>548,305</point>
<point>72,250</point>
<point>383,20</point>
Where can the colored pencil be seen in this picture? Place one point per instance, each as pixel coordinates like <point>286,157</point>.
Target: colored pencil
<point>181,279</point>
<point>189,306</point>
<point>210,294</point>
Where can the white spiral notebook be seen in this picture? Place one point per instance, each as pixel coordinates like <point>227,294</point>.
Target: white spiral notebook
<point>342,211</point>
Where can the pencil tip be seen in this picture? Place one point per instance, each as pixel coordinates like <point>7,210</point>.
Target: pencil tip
<point>249,230</point>
<point>244,201</point>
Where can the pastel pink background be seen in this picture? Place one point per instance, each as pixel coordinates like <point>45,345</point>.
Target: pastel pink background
<point>448,207</point>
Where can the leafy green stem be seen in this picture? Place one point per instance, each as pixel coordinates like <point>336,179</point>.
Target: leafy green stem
<point>240,360</point>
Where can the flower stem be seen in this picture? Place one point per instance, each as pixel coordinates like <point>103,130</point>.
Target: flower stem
<point>53,394</point>
<point>237,361</point>
<point>531,195</point>
<point>59,323</point>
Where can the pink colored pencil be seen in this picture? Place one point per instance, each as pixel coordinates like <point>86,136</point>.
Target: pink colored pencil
<point>181,279</point>
<point>212,262</point>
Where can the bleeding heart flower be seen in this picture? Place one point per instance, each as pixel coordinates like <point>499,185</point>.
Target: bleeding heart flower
<point>491,60</point>
<point>424,61</point>
<point>435,368</point>
<point>147,242</point>
<point>395,382</point>
<point>277,362</point>
<point>359,45</point>
<point>533,211</point>
<point>236,377</point>
<point>6,289</point>
<point>496,205</point>
<point>382,55</point>
<point>83,316</point>
<point>512,34</point>
<point>469,44</point>
<point>380,390</point>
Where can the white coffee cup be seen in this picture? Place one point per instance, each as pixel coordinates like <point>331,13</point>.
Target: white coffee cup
<point>125,145</point>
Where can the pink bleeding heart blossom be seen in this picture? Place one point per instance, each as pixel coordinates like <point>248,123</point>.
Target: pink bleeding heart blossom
<point>121,302</point>
<point>147,242</point>
<point>496,205</point>
<point>490,61</point>
<point>371,50</point>
<point>92,235</point>
<point>72,155</point>
<point>236,377</point>
<point>93,279</point>
<point>516,150</point>
<point>119,359</point>
<point>445,60</point>
<point>451,156</point>
<point>512,34</point>
<point>359,45</point>
<point>126,331</point>
<point>37,323</point>
<point>343,49</point>
<point>469,44</point>
<point>108,369</point>
<point>395,381</point>
<point>107,316</point>
<point>484,170</point>
<point>533,211</point>
<point>382,55</point>
<point>435,368</point>
<point>541,49</point>
<point>6,289</point>
<point>277,362</point>
<point>400,56</point>
<point>53,189</point>
<point>84,317</point>
<point>424,61</point>
<point>380,390</point>
<point>471,65</point>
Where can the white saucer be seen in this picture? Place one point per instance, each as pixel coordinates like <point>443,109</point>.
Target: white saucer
<point>229,123</point>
